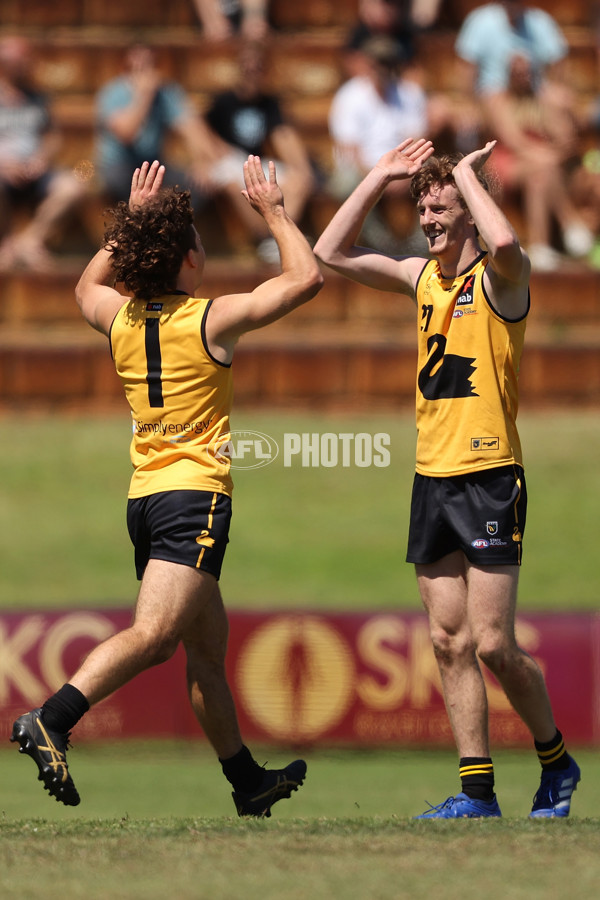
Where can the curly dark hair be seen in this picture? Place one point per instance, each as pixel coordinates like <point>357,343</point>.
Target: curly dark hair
<point>148,243</point>
<point>438,171</point>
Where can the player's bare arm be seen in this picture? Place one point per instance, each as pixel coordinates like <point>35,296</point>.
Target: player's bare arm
<point>507,277</point>
<point>97,298</point>
<point>300,279</point>
<point>337,247</point>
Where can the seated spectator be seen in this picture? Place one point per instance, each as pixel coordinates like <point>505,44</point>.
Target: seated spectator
<point>248,119</point>
<point>370,114</point>
<point>29,143</point>
<point>401,20</point>
<point>535,142</point>
<point>136,113</point>
<point>222,19</point>
<point>494,32</point>
<point>511,49</point>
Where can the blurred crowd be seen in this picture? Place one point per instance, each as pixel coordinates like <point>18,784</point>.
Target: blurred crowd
<point>510,80</point>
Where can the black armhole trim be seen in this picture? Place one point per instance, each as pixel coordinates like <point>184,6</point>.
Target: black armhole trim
<point>110,346</point>
<point>473,264</point>
<point>205,341</point>
<point>427,261</point>
<point>500,316</point>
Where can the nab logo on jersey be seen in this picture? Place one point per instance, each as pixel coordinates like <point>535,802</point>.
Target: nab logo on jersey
<point>154,307</point>
<point>465,298</point>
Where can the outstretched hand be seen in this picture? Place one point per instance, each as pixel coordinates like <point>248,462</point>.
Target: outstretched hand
<point>263,194</point>
<point>146,183</point>
<point>406,159</point>
<point>478,158</point>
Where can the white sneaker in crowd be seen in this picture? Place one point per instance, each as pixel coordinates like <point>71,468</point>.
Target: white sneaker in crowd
<point>578,240</point>
<point>543,258</point>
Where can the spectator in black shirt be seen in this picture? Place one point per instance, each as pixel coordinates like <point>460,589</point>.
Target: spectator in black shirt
<point>249,119</point>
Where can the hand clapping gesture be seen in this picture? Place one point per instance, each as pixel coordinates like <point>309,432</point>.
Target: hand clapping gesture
<point>263,195</point>
<point>406,159</point>
<point>478,158</point>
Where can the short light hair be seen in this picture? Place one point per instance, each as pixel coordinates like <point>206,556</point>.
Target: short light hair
<point>438,172</point>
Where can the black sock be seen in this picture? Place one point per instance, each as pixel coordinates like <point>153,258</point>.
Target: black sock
<point>553,755</point>
<point>63,710</point>
<point>477,777</point>
<point>242,771</point>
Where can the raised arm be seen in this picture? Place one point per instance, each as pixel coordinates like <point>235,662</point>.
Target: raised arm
<point>337,246</point>
<point>97,298</point>
<point>300,279</point>
<point>510,265</point>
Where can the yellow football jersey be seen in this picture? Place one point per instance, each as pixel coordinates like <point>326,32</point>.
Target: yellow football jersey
<point>467,379</point>
<point>180,396</point>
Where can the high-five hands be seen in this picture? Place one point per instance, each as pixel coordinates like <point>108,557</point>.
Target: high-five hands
<point>146,182</point>
<point>261,193</point>
<point>406,159</point>
<point>478,158</point>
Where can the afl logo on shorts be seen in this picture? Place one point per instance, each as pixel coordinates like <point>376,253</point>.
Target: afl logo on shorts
<point>480,544</point>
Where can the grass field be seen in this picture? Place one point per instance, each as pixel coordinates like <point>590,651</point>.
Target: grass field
<point>157,821</point>
<point>301,537</point>
<point>375,859</point>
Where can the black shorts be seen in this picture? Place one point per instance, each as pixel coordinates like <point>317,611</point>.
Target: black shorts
<point>186,527</point>
<point>482,513</point>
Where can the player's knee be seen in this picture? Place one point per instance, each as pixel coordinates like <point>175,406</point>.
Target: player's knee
<point>449,646</point>
<point>159,647</point>
<point>494,652</point>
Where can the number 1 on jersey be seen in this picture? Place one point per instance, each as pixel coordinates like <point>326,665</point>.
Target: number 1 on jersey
<point>154,362</point>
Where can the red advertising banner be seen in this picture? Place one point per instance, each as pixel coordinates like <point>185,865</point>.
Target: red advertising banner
<point>304,678</point>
